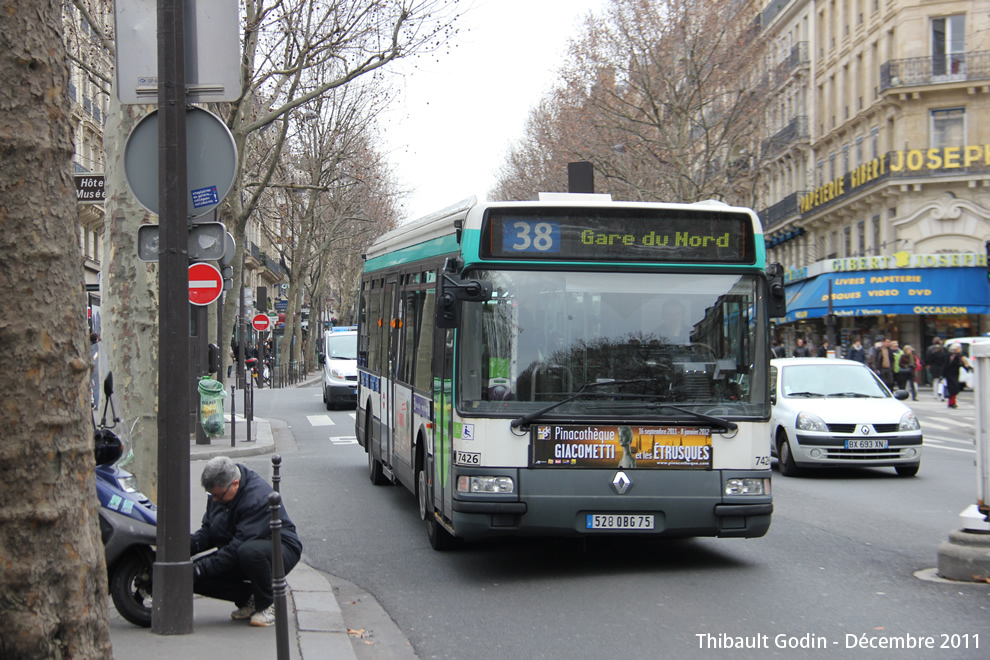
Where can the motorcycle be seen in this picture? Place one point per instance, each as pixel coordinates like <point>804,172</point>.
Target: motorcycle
<point>128,519</point>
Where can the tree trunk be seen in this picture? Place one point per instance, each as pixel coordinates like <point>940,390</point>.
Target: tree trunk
<point>53,582</point>
<point>129,294</point>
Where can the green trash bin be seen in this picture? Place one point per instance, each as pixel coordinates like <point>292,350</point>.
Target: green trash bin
<point>211,396</point>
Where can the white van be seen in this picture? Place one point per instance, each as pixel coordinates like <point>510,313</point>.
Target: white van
<point>339,360</point>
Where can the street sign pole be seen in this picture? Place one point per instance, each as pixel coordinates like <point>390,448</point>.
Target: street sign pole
<point>172,606</point>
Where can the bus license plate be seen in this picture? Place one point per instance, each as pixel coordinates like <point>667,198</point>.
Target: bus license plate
<point>866,444</point>
<point>619,521</point>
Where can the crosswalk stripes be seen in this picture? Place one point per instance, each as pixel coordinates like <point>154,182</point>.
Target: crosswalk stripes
<point>320,420</point>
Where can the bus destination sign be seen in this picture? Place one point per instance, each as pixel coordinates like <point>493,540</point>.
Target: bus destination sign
<point>665,235</point>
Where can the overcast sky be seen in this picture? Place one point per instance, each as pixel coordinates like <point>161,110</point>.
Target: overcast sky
<point>455,118</point>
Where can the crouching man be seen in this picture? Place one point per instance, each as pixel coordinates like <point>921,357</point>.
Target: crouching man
<point>237,523</point>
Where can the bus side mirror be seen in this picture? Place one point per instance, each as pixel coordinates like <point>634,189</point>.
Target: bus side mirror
<point>777,298</point>
<point>452,291</point>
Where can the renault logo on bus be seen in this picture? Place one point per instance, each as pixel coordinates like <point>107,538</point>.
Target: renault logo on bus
<point>621,483</point>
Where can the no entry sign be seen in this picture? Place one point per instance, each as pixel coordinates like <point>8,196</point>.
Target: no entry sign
<point>205,283</point>
<point>261,322</point>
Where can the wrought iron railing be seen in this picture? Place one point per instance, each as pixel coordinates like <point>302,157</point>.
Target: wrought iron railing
<point>798,56</point>
<point>775,214</point>
<point>797,128</point>
<point>935,70</point>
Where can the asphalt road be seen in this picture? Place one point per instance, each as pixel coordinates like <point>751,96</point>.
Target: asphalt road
<point>843,564</point>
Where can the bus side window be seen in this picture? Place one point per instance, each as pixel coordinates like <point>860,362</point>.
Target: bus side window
<point>424,345</point>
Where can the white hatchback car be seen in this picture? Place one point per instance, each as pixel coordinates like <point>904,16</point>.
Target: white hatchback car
<point>838,413</point>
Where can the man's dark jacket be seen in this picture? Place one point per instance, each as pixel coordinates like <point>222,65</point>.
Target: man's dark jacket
<point>244,518</point>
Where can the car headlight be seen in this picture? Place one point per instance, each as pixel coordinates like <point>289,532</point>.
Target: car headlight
<point>493,484</point>
<point>338,374</point>
<point>808,422</point>
<point>908,422</point>
<point>747,486</point>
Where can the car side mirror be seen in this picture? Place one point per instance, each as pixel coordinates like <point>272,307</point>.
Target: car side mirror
<point>901,395</point>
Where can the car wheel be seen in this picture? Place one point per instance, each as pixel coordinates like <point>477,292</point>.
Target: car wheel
<point>907,470</point>
<point>327,399</point>
<point>785,462</point>
<point>324,394</point>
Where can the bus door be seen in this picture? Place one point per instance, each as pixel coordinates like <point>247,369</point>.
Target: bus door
<point>390,314</point>
<point>443,404</point>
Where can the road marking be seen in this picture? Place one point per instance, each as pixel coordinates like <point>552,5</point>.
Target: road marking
<point>344,440</point>
<point>928,443</point>
<point>320,420</point>
<point>954,422</point>
<point>957,441</point>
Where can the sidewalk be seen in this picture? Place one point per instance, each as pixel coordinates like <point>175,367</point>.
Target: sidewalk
<point>316,625</point>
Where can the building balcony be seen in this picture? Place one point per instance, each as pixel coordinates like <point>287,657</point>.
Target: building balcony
<point>797,58</point>
<point>940,69</point>
<point>796,129</point>
<point>786,208</point>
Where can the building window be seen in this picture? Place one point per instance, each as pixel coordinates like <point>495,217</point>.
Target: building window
<point>847,240</point>
<point>845,159</point>
<point>949,45</point>
<point>876,235</point>
<point>831,167</point>
<point>821,173</point>
<point>859,151</point>
<point>861,236</point>
<point>875,142</point>
<point>948,127</point>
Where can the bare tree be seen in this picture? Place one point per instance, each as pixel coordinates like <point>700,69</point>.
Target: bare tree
<point>53,582</point>
<point>662,98</point>
<point>296,51</point>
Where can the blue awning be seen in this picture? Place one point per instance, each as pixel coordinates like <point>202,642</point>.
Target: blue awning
<point>932,291</point>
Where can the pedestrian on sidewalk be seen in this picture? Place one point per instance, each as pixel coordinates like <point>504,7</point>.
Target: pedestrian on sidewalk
<point>237,523</point>
<point>937,358</point>
<point>906,370</point>
<point>957,361</point>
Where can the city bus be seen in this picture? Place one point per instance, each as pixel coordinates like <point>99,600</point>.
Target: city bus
<point>571,366</point>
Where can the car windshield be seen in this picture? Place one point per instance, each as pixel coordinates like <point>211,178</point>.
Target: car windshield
<point>342,346</point>
<point>685,339</point>
<point>831,380</point>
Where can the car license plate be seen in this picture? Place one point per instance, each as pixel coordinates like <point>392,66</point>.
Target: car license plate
<point>866,444</point>
<point>619,521</point>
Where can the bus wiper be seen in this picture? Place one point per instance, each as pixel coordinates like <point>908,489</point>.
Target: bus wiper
<point>855,395</point>
<point>525,420</point>
<point>714,421</point>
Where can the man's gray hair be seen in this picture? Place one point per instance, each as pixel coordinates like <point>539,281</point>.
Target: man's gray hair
<point>219,472</point>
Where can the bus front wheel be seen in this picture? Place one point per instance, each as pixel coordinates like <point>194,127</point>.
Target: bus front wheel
<point>440,538</point>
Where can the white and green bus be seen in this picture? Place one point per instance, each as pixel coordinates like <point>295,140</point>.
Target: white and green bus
<point>571,366</point>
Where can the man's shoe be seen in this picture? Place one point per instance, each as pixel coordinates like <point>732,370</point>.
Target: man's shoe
<point>264,618</point>
<point>244,611</point>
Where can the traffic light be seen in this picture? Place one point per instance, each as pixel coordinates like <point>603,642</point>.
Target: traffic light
<point>228,277</point>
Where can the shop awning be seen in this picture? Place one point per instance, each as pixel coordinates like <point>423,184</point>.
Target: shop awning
<point>929,291</point>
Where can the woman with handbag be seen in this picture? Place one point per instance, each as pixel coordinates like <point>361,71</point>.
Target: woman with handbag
<point>956,362</point>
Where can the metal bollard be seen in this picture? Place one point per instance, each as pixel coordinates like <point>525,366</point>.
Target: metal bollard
<point>276,462</point>
<point>278,581</point>
<point>233,416</point>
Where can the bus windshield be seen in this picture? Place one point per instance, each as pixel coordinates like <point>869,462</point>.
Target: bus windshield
<point>688,340</point>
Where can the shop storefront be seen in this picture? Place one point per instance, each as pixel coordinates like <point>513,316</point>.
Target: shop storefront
<point>910,297</point>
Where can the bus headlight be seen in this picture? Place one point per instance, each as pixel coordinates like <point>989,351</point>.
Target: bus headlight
<point>747,486</point>
<point>474,484</point>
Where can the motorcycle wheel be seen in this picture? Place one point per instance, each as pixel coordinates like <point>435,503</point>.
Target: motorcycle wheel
<point>130,588</point>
